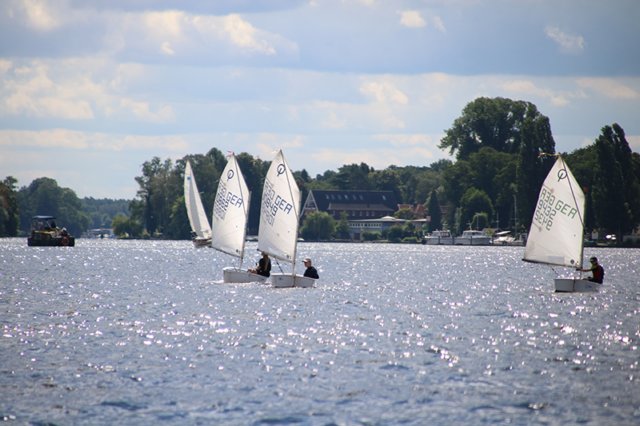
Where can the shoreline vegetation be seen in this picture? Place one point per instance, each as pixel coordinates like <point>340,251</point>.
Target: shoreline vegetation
<point>492,182</point>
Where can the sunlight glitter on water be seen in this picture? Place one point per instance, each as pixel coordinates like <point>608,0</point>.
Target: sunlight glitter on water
<point>391,334</point>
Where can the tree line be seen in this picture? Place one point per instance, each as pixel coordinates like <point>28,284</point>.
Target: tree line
<point>493,182</point>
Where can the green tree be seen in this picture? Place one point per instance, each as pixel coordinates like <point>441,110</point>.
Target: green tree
<point>102,211</point>
<point>612,207</point>
<point>583,164</point>
<point>492,122</point>
<point>153,192</point>
<point>352,176</point>
<point>342,227</point>
<point>395,233</point>
<point>474,201</point>
<point>404,213</point>
<point>318,226</point>
<point>9,212</point>
<point>456,181</point>
<point>125,227</point>
<point>387,180</point>
<point>434,211</point>
<point>480,221</point>
<point>44,197</point>
<point>532,165</point>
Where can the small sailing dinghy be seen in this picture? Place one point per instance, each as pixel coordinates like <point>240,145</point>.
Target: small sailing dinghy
<point>279,219</point>
<point>197,217</point>
<point>556,236</point>
<point>229,221</point>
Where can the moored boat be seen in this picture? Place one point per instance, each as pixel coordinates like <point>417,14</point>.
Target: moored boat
<point>439,237</point>
<point>471,237</point>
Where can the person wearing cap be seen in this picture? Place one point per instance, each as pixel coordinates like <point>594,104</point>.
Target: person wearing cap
<point>310,272</point>
<point>264,266</point>
<point>596,270</point>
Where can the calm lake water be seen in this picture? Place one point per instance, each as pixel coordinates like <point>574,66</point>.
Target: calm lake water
<point>144,332</point>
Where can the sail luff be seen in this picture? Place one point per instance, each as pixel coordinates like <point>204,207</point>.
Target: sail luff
<point>557,228</point>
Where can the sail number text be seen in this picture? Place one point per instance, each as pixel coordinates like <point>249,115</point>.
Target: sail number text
<point>224,199</point>
<point>272,203</point>
<point>547,208</point>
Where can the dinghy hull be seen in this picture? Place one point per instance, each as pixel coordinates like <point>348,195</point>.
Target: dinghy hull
<point>289,280</point>
<point>237,275</point>
<point>573,285</point>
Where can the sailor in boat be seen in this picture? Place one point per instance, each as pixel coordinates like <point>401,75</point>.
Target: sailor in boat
<point>310,272</point>
<point>596,270</point>
<point>264,266</point>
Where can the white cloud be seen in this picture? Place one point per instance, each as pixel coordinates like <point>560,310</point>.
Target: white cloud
<point>244,35</point>
<point>38,14</point>
<point>567,42</point>
<point>5,65</point>
<point>33,93</point>
<point>437,22</point>
<point>384,92</point>
<point>528,88</point>
<point>167,49</point>
<point>143,111</point>
<point>412,19</point>
<point>64,139</point>
<point>333,121</point>
<point>182,35</point>
<point>609,88</point>
<point>75,90</point>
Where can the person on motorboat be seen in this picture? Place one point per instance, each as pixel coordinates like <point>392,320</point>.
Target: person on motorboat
<point>596,270</point>
<point>310,272</point>
<point>264,266</point>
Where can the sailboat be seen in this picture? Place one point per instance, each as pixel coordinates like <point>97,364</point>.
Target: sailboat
<point>556,236</point>
<point>229,221</point>
<point>279,219</point>
<point>197,217</point>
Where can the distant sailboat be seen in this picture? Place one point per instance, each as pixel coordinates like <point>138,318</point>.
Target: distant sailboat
<point>556,236</point>
<point>279,218</point>
<point>230,214</point>
<point>197,217</point>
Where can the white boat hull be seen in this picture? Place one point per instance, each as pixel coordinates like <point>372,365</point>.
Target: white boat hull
<point>435,241</point>
<point>475,241</point>
<point>289,280</point>
<point>237,275</point>
<point>574,285</point>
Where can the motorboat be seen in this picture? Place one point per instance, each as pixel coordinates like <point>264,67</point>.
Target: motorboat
<point>439,237</point>
<point>472,237</point>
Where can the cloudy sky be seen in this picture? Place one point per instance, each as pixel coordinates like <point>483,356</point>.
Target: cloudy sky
<point>91,89</point>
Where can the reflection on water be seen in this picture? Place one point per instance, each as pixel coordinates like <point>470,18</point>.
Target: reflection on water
<point>141,332</point>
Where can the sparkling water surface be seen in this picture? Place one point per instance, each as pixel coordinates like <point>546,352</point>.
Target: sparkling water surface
<point>145,332</point>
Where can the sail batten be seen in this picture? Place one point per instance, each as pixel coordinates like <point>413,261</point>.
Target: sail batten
<point>557,228</point>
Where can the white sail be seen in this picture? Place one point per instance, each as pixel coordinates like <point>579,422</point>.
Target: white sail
<point>230,211</point>
<point>197,216</point>
<point>279,212</point>
<point>556,234</point>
